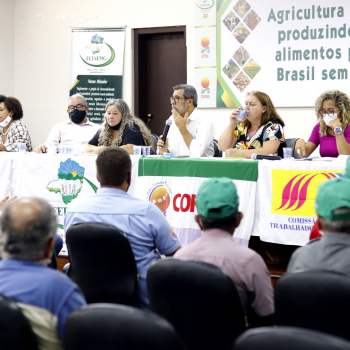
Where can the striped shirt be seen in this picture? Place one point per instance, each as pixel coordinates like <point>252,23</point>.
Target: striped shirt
<point>17,132</point>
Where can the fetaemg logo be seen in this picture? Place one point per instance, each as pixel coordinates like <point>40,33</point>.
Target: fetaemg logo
<point>205,89</point>
<point>70,181</point>
<point>98,53</point>
<point>294,192</point>
<point>205,4</point>
<point>160,195</point>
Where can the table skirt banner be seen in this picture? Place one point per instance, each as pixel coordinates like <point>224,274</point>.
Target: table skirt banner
<point>59,179</point>
<point>172,185</point>
<point>6,174</point>
<point>286,195</point>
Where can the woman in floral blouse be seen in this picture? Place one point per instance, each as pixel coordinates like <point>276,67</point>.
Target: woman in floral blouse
<point>261,131</point>
<point>12,130</point>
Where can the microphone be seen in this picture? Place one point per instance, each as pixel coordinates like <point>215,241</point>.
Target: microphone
<point>255,156</point>
<point>166,129</point>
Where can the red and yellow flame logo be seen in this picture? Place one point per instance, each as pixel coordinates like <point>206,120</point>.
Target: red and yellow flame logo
<point>161,198</point>
<point>205,82</point>
<point>205,41</point>
<point>294,192</point>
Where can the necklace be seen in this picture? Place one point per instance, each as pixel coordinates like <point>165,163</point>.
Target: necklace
<point>250,137</point>
<point>5,133</point>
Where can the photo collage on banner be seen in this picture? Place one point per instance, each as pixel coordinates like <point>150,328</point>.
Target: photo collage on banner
<point>293,51</point>
<point>206,53</point>
<point>97,67</point>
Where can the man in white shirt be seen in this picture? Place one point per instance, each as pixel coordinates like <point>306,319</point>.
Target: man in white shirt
<point>77,131</point>
<point>191,133</point>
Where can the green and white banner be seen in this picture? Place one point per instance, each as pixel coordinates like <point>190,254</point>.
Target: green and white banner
<point>172,185</point>
<point>97,67</point>
<point>292,50</point>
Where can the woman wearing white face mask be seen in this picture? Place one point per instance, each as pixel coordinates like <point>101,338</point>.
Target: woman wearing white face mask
<point>332,132</point>
<point>12,130</point>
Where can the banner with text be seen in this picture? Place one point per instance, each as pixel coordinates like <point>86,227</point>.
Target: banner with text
<point>97,67</point>
<point>291,50</point>
<point>286,197</point>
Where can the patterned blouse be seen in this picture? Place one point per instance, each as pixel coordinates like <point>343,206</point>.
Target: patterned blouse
<point>273,130</point>
<point>17,132</point>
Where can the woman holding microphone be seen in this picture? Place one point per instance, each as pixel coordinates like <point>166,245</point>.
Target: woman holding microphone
<point>261,130</point>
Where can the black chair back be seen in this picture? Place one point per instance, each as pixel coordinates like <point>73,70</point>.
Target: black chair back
<point>102,263</point>
<point>155,141</point>
<point>314,300</point>
<point>199,299</point>
<point>108,326</point>
<point>15,330</point>
<point>288,338</point>
<point>217,152</point>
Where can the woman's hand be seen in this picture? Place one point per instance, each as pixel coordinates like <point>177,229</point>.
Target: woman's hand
<point>335,123</point>
<point>161,145</point>
<point>233,117</point>
<point>300,147</point>
<point>233,152</point>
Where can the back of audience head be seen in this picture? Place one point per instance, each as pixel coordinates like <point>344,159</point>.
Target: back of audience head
<point>217,204</point>
<point>13,105</point>
<point>113,167</point>
<point>28,227</point>
<point>333,205</point>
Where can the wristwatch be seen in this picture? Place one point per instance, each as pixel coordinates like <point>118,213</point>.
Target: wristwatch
<point>338,130</point>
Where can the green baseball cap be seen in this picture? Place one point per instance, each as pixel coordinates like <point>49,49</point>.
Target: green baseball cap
<point>217,198</point>
<point>331,195</point>
<point>347,168</point>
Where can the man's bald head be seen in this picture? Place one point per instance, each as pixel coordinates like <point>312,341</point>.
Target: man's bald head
<point>27,225</point>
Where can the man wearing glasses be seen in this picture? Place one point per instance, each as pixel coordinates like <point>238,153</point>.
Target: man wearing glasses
<point>77,131</point>
<point>191,133</point>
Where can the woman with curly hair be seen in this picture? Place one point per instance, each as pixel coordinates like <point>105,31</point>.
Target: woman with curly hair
<point>120,128</point>
<point>260,132</point>
<point>332,132</point>
<point>12,130</point>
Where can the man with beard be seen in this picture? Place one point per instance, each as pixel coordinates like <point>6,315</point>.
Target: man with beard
<point>77,131</point>
<point>191,133</point>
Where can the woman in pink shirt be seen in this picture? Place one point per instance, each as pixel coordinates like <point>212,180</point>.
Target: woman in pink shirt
<point>332,132</point>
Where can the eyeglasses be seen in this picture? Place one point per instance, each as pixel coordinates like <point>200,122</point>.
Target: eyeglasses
<point>176,99</point>
<point>78,107</point>
<point>329,111</point>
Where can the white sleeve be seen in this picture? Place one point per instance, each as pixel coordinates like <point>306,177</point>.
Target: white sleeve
<point>204,136</point>
<point>54,137</point>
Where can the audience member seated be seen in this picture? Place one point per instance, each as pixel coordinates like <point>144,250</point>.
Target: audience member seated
<point>191,133</point>
<point>77,131</point>
<point>332,132</point>
<point>120,128</point>
<point>12,130</point>
<point>260,132</point>
<point>217,204</point>
<point>331,252</point>
<point>143,223</point>
<point>46,296</point>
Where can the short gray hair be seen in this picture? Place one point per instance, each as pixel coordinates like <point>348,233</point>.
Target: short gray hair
<point>28,238</point>
<point>340,226</point>
<point>78,96</point>
<point>189,92</point>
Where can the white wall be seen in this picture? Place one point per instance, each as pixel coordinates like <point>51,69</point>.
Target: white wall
<point>43,46</point>
<point>7,57</point>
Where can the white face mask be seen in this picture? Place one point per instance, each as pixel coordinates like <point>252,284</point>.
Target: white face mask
<point>327,118</point>
<point>5,122</point>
